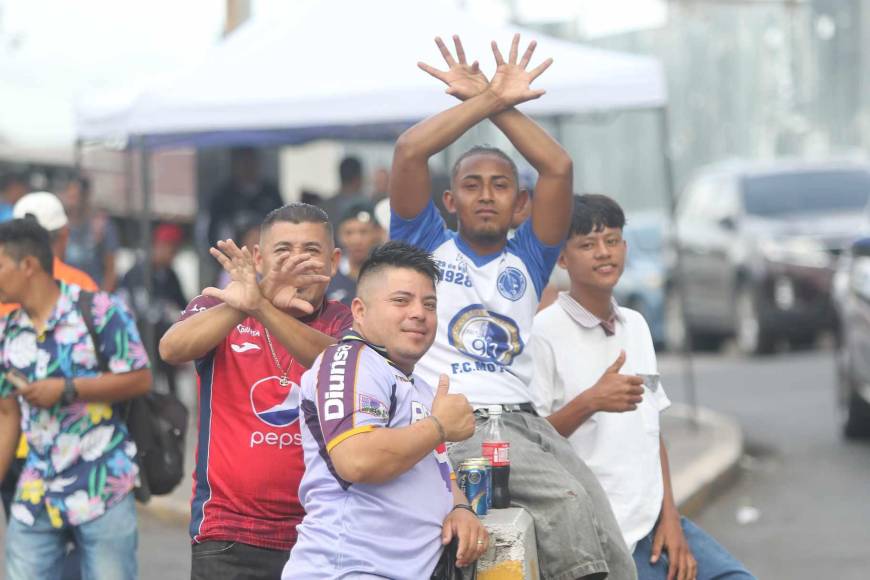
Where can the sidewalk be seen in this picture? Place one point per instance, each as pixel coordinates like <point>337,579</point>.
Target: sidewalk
<point>703,461</point>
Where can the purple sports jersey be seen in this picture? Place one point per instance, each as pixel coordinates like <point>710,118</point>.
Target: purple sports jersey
<point>355,530</point>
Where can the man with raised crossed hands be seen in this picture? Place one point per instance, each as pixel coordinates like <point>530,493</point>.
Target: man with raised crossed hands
<point>489,291</point>
<point>251,342</point>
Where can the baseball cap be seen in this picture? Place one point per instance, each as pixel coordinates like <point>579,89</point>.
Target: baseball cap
<point>44,206</point>
<point>362,211</point>
<point>169,233</point>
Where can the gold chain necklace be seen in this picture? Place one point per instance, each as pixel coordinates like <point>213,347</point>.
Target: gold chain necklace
<point>283,380</point>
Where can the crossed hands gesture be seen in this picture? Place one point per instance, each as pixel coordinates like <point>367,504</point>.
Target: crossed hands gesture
<point>280,285</point>
<point>511,82</point>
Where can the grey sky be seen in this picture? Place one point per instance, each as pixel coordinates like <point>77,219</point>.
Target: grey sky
<point>54,51</point>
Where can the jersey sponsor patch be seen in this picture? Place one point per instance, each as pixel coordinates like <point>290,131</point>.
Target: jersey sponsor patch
<point>273,404</point>
<point>485,335</point>
<point>371,406</point>
<point>244,347</point>
<point>245,329</point>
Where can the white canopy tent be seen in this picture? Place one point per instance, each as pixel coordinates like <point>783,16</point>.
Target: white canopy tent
<point>347,69</point>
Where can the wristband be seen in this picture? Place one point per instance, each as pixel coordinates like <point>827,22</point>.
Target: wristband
<point>69,394</point>
<point>441,433</point>
<point>464,506</point>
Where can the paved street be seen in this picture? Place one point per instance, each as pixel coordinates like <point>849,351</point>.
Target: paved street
<point>811,489</point>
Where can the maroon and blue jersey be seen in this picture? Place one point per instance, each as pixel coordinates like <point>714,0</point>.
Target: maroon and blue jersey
<point>249,459</point>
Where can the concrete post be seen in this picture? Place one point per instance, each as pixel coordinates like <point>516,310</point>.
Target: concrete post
<point>513,553</point>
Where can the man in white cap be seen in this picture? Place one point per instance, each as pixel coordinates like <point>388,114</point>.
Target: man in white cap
<point>48,212</point>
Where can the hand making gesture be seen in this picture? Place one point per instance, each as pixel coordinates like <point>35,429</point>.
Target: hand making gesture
<point>242,293</point>
<point>279,285</point>
<point>511,81</point>
<point>289,274</point>
<point>463,80</point>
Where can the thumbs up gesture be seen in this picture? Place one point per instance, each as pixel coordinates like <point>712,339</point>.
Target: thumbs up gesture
<point>453,412</point>
<point>617,393</point>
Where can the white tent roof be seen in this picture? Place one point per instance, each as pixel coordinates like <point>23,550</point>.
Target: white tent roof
<point>347,69</point>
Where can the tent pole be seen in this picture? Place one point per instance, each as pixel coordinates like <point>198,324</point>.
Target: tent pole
<point>145,242</point>
<point>78,153</point>
<point>679,264</point>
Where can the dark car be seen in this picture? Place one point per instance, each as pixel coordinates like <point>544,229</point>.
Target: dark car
<point>853,340</point>
<point>758,246</point>
<point>642,285</point>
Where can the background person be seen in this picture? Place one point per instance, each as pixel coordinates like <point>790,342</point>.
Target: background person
<point>47,210</point>
<point>246,197</point>
<point>80,467</point>
<point>160,308</point>
<point>350,190</point>
<point>358,233</point>
<point>13,187</point>
<point>93,238</point>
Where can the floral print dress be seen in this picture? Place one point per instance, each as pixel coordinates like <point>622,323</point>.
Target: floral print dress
<point>81,459</point>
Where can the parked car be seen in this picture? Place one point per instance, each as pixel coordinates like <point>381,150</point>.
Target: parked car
<point>853,340</point>
<point>757,246</point>
<point>642,286</point>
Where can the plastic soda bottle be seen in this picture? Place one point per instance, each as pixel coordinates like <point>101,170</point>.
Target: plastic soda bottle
<point>497,449</point>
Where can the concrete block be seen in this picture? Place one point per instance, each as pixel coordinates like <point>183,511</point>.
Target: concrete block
<point>513,553</point>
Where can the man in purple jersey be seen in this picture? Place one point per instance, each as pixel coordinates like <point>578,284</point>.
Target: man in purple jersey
<point>378,489</point>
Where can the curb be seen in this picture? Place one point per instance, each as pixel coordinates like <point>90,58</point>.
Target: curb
<point>697,483</point>
<point>168,508</point>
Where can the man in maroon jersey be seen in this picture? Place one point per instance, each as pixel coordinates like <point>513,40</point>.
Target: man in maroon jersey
<point>251,342</point>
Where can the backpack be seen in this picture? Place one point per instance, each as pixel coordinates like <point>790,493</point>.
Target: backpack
<point>157,423</point>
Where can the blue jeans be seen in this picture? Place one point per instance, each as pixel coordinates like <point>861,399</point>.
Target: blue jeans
<point>107,546</point>
<point>714,562</point>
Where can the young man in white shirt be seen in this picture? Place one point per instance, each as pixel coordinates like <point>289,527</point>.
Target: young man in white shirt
<point>596,381</point>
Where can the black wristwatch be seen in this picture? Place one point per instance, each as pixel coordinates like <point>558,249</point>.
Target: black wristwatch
<point>69,391</point>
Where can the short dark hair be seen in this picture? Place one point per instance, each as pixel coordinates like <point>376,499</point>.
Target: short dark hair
<point>24,237</point>
<point>486,150</point>
<point>349,169</point>
<point>297,213</point>
<point>395,254</point>
<point>594,212</point>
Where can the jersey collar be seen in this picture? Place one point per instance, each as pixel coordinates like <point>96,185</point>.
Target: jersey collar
<point>357,337</point>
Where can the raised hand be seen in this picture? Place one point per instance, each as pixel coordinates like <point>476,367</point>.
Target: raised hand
<point>511,81</point>
<point>617,393</point>
<point>463,80</point>
<point>287,276</point>
<point>242,293</point>
<point>453,412</point>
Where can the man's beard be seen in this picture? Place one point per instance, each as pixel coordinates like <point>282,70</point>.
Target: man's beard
<point>487,236</point>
